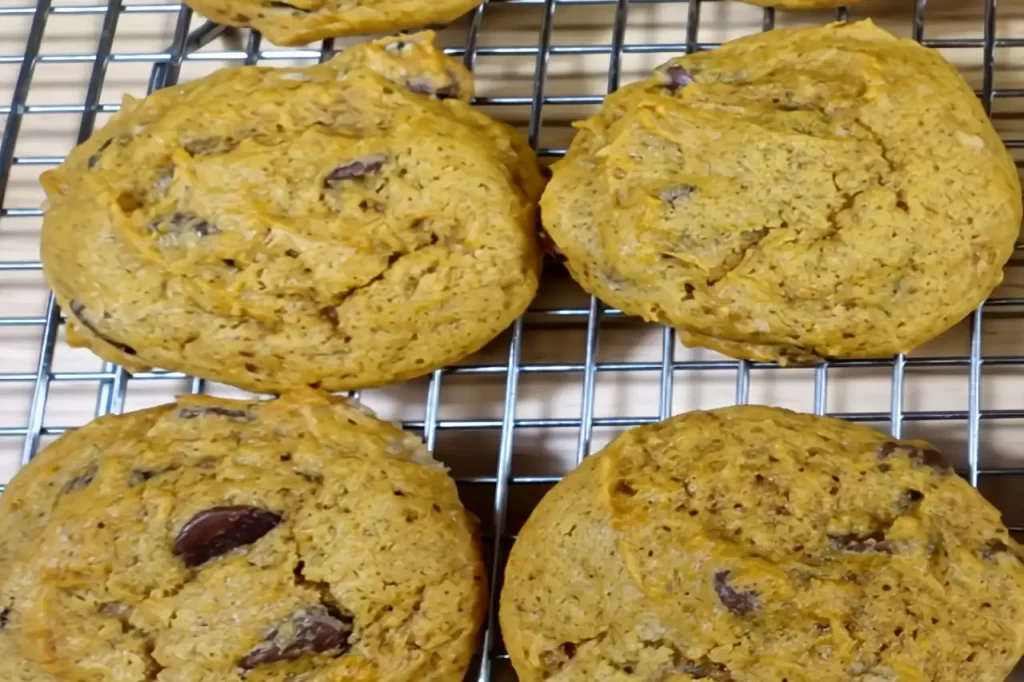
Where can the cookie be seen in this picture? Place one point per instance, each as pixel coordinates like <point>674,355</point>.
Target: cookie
<point>298,22</point>
<point>754,544</point>
<point>221,541</point>
<point>829,192</point>
<point>344,225</point>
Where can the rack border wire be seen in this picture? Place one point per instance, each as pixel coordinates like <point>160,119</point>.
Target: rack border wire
<point>186,46</point>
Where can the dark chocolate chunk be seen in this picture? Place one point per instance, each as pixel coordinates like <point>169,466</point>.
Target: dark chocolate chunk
<point>918,456</point>
<point>180,223</point>
<point>140,476</point>
<point>312,630</point>
<point>81,481</point>
<point>737,601</point>
<point>857,544</point>
<point>330,314</point>
<point>994,548</point>
<point>78,310</point>
<point>215,410</point>
<point>358,168</point>
<point>706,669</point>
<point>450,91</point>
<point>932,458</point>
<point>95,158</point>
<point>204,146</point>
<point>422,86</point>
<point>219,530</point>
<point>677,77</point>
<point>675,195</point>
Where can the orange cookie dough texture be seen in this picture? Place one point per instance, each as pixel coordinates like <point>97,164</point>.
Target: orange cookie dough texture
<point>344,225</point>
<point>801,194</point>
<point>754,544</point>
<point>228,541</point>
<point>297,22</point>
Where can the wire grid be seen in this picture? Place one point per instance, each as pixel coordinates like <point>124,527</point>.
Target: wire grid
<point>188,44</point>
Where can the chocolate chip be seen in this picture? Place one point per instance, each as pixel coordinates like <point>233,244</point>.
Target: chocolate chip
<point>422,86</point>
<point>204,146</point>
<point>94,159</point>
<point>140,476</point>
<point>994,548</point>
<point>737,601</point>
<point>706,669</point>
<point>359,168</point>
<point>677,77</point>
<point>180,223</point>
<point>932,458</point>
<point>78,310</point>
<point>5,617</point>
<point>675,195</point>
<point>875,542</point>
<point>312,630</point>
<point>79,482</point>
<point>569,649</point>
<point>329,314</point>
<point>918,456</point>
<point>215,410</point>
<point>447,92</point>
<point>219,530</point>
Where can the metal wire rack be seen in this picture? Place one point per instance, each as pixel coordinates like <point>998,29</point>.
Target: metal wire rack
<point>595,372</point>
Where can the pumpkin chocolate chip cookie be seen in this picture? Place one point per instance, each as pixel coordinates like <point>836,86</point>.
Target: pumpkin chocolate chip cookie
<point>753,544</point>
<point>297,22</point>
<point>228,541</point>
<point>345,225</point>
<point>831,192</point>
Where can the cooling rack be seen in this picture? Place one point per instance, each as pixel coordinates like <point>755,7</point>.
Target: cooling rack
<point>571,373</point>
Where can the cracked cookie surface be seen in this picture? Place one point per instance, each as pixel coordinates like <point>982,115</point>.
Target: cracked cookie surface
<point>795,195</point>
<point>221,541</point>
<point>297,22</point>
<point>344,225</point>
<point>754,544</point>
